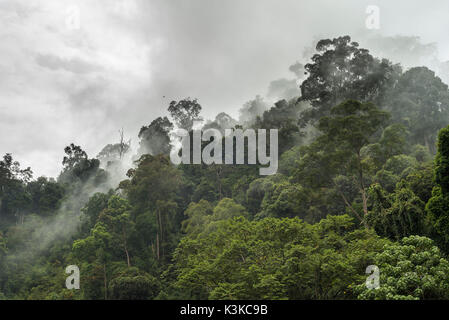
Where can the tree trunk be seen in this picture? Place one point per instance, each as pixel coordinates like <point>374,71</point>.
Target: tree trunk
<point>105,283</point>
<point>364,200</point>
<point>218,172</point>
<point>127,257</point>
<point>362,185</point>
<point>161,232</point>
<point>157,245</point>
<point>342,195</point>
<point>126,249</point>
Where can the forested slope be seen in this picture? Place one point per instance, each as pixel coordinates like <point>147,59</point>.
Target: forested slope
<point>363,180</point>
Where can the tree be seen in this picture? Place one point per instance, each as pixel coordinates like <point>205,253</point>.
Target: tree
<point>350,127</point>
<point>117,219</point>
<point>341,71</point>
<point>133,284</point>
<point>257,190</point>
<point>155,139</point>
<point>393,140</point>
<point>46,195</point>
<point>222,122</point>
<point>274,259</point>
<point>203,217</point>
<point>442,161</point>
<point>93,208</point>
<point>3,248</point>
<point>438,205</point>
<point>116,151</point>
<point>421,180</point>
<point>78,168</point>
<point>184,112</point>
<point>93,253</point>
<point>10,169</point>
<point>285,200</point>
<point>74,156</point>
<point>412,269</point>
<point>420,100</point>
<point>397,215</point>
<point>153,188</point>
<point>155,178</point>
<point>14,198</point>
<point>198,215</point>
<point>284,117</point>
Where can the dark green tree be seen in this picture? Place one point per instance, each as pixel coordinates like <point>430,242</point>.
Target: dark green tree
<point>340,71</point>
<point>154,138</point>
<point>420,100</point>
<point>184,112</point>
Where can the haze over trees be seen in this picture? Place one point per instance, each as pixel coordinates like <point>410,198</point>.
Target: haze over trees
<point>363,180</point>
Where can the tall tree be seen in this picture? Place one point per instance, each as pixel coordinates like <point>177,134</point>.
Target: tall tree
<point>154,138</point>
<point>438,206</point>
<point>420,100</point>
<point>350,127</point>
<point>117,218</point>
<point>14,197</point>
<point>153,188</point>
<point>184,112</point>
<point>339,71</point>
<point>77,167</point>
<point>116,151</point>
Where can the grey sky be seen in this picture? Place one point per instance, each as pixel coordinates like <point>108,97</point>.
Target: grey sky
<point>61,84</point>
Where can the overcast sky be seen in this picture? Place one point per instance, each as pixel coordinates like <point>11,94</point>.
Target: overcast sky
<point>63,82</point>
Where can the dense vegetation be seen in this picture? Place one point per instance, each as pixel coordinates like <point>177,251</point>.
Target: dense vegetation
<point>363,180</point>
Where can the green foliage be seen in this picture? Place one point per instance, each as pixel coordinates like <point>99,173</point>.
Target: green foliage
<point>154,139</point>
<point>394,140</point>
<point>338,151</point>
<point>397,164</point>
<point>287,162</point>
<point>421,181</point>
<point>442,161</point>
<point>184,112</point>
<point>46,196</point>
<point>78,168</point>
<point>284,117</point>
<point>396,215</point>
<point>274,259</point>
<point>154,179</point>
<point>14,198</point>
<point>198,215</point>
<point>339,71</point>
<point>438,205</point>
<point>133,284</point>
<point>420,100</point>
<point>412,269</point>
<point>285,200</point>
